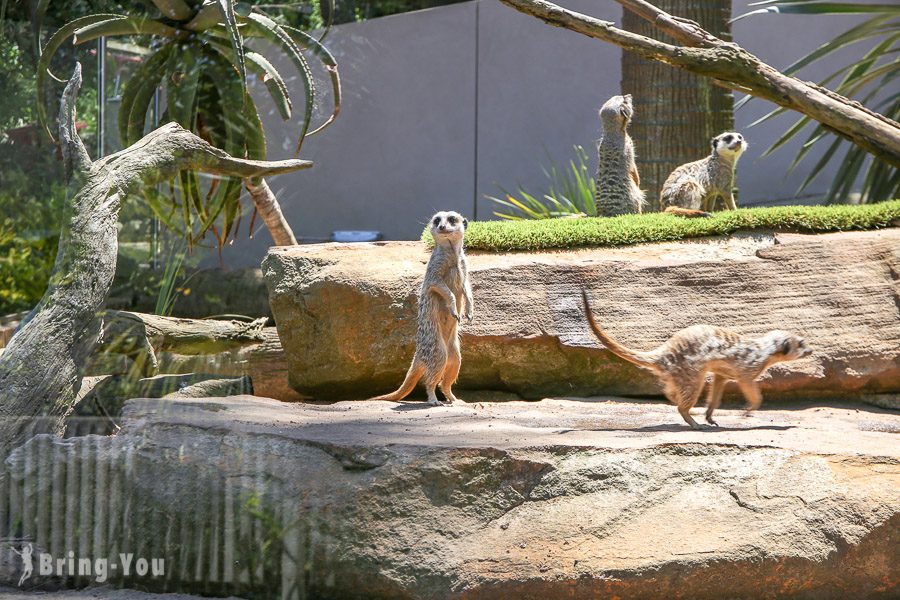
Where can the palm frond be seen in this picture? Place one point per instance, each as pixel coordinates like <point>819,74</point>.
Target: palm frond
<point>868,78</point>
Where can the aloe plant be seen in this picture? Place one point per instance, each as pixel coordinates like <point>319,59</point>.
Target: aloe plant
<point>570,193</point>
<point>199,55</point>
<point>871,79</point>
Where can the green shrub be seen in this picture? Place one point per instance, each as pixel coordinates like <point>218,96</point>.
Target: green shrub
<point>501,236</point>
<point>25,267</point>
<point>570,191</point>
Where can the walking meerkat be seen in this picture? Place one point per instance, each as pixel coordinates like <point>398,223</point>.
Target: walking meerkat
<point>618,189</point>
<point>445,295</point>
<point>683,361</point>
<point>692,189</point>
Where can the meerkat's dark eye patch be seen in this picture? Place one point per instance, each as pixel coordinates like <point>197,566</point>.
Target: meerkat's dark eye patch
<point>727,139</point>
<point>436,222</point>
<point>786,346</point>
<point>451,220</point>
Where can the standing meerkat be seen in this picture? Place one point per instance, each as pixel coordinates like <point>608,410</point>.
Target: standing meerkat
<point>618,189</point>
<point>445,295</point>
<point>692,189</point>
<point>683,361</point>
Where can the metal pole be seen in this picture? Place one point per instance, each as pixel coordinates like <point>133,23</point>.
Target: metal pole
<point>154,223</point>
<point>475,173</point>
<point>101,96</point>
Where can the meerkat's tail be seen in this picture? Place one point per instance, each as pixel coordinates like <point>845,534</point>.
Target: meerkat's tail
<point>416,370</point>
<point>686,212</point>
<point>632,356</point>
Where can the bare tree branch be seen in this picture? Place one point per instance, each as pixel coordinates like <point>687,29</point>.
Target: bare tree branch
<point>735,68</point>
<point>75,156</point>
<point>685,31</point>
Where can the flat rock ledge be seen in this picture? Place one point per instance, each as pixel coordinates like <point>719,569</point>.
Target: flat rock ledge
<point>529,500</point>
<point>346,313</point>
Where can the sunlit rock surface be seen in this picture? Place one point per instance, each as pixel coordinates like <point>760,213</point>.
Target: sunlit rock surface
<point>346,313</point>
<point>551,499</point>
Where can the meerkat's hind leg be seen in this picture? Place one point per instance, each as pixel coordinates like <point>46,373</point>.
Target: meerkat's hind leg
<point>714,399</point>
<point>730,204</point>
<point>434,373</point>
<point>451,370</point>
<point>687,398</point>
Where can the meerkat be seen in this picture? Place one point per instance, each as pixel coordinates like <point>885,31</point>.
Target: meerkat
<point>618,189</point>
<point>683,362</point>
<point>692,189</point>
<point>446,294</point>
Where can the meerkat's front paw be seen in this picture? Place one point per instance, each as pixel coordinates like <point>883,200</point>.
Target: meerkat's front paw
<point>469,316</point>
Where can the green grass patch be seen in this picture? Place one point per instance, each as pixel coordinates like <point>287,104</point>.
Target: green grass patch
<point>551,234</point>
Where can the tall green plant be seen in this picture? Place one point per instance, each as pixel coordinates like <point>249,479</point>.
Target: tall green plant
<point>872,79</point>
<point>199,55</point>
<point>570,193</point>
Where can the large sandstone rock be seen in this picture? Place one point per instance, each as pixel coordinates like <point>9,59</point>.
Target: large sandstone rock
<point>345,313</point>
<point>555,499</point>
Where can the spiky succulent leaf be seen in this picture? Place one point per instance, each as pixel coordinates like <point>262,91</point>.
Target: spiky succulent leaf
<point>123,26</point>
<point>139,93</point>
<point>313,45</point>
<point>53,44</point>
<point>237,42</point>
<point>273,81</point>
<point>264,27</point>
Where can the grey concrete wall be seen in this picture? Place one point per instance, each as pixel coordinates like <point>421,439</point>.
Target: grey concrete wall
<point>442,105</point>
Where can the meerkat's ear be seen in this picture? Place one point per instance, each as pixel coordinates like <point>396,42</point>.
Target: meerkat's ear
<point>465,223</point>
<point>713,142</point>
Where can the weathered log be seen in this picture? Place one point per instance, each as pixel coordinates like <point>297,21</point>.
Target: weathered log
<point>142,336</point>
<point>264,362</point>
<point>733,67</point>
<point>100,402</point>
<point>40,369</point>
<point>143,344</point>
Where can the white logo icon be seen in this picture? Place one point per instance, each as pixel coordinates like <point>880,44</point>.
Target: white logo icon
<point>27,566</point>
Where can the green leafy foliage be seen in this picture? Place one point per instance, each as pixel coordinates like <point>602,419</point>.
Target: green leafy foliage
<point>871,79</point>
<point>199,55</point>
<point>25,267</point>
<point>570,193</point>
<point>528,235</point>
<point>29,236</point>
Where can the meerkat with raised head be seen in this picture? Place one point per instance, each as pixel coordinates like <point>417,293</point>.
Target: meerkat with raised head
<point>692,189</point>
<point>446,294</point>
<point>618,190</point>
<point>683,362</point>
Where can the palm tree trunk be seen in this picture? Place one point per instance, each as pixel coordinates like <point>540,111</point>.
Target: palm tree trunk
<point>268,208</point>
<point>676,113</point>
